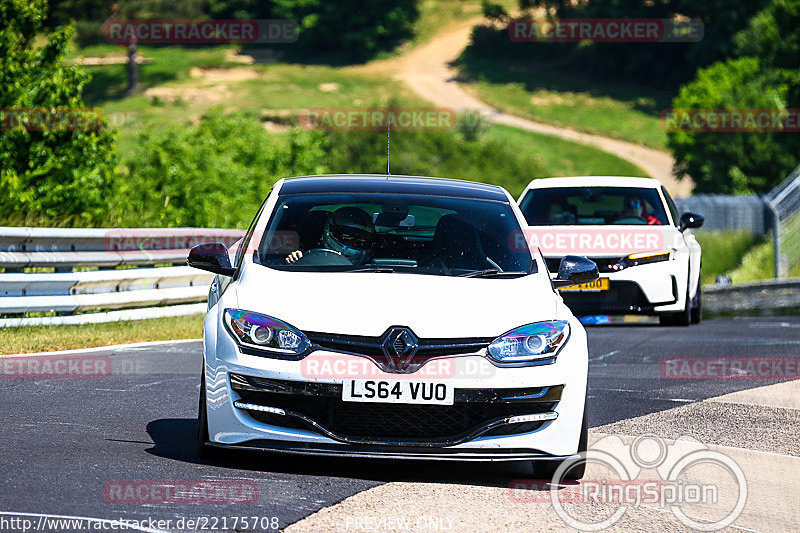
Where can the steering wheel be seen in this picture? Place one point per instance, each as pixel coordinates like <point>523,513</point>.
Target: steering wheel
<point>318,251</point>
<point>323,257</point>
<point>628,219</point>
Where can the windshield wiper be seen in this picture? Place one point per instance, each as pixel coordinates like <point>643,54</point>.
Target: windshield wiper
<point>492,273</point>
<point>372,269</point>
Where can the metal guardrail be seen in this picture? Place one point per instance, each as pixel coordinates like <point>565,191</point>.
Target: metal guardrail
<point>757,296</point>
<point>108,288</point>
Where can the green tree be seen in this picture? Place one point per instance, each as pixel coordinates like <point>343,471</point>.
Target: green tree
<point>731,162</point>
<point>767,78</point>
<point>46,174</point>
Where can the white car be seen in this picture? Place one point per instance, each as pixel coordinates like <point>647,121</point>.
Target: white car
<point>385,316</point>
<point>647,256</point>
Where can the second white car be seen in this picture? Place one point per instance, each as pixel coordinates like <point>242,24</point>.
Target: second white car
<point>649,260</point>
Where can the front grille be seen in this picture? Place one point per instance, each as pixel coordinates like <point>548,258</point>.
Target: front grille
<point>393,423</point>
<point>621,297</point>
<point>385,352</point>
<point>371,346</point>
<point>604,264</point>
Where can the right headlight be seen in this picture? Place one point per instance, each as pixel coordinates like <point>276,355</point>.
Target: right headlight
<point>644,259</point>
<point>265,333</point>
<point>540,340</point>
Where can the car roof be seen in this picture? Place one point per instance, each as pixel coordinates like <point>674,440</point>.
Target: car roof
<point>377,183</point>
<point>595,181</point>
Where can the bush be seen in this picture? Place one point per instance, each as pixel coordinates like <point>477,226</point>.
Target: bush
<point>432,153</point>
<point>214,174</point>
<point>472,125</point>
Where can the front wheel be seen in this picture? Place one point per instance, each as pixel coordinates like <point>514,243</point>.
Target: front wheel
<point>546,469</point>
<point>204,449</point>
<point>697,310</point>
<point>681,318</point>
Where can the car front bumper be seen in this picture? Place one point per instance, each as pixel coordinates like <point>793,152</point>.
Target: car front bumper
<point>651,289</point>
<point>307,414</point>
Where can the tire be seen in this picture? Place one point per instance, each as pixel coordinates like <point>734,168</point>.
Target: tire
<point>681,318</point>
<point>697,310</point>
<point>546,469</point>
<point>204,450</point>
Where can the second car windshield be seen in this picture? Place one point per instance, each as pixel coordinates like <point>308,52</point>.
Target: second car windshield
<point>559,206</point>
<point>395,233</point>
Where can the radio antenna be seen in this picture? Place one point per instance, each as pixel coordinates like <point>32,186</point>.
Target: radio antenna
<point>388,131</point>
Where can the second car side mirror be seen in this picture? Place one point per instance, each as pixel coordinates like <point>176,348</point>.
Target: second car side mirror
<point>691,220</point>
<point>213,257</point>
<point>575,270</point>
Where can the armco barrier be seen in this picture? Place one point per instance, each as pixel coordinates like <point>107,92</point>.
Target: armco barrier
<point>757,296</point>
<point>161,291</point>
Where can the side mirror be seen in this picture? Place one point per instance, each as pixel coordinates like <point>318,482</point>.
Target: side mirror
<point>691,220</point>
<point>211,256</point>
<point>575,270</point>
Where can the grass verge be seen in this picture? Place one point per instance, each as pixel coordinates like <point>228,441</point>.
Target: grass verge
<point>723,251</point>
<point>523,80</point>
<point>29,339</point>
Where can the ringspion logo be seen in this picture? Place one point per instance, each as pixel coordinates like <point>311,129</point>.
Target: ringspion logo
<point>679,476</point>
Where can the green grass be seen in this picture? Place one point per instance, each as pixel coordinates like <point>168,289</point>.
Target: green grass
<point>723,251</point>
<point>577,109</point>
<point>759,262</point>
<point>48,338</point>
<point>520,78</point>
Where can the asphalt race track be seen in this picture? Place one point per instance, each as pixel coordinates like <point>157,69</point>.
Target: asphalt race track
<point>64,440</point>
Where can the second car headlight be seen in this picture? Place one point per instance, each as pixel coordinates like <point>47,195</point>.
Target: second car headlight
<point>265,333</point>
<point>540,340</point>
<point>644,259</point>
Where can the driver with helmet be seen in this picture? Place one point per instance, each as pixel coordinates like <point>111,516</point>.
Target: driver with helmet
<point>348,232</point>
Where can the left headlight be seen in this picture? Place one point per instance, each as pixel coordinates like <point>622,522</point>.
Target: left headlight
<point>541,340</point>
<point>265,333</point>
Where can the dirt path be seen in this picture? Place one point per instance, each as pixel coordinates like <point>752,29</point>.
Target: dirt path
<point>426,70</point>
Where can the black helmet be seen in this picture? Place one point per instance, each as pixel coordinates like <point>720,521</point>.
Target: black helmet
<point>350,231</point>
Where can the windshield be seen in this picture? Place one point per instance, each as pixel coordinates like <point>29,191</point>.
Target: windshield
<point>418,234</point>
<point>561,206</point>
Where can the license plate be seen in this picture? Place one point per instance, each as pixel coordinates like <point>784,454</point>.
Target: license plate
<point>601,284</point>
<point>397,391</point>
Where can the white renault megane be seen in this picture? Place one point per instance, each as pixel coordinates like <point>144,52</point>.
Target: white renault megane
<point>385,316</point>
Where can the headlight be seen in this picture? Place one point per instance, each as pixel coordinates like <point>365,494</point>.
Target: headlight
<point>644,259</point>
<point>265,333</point>
<point>541,340</point>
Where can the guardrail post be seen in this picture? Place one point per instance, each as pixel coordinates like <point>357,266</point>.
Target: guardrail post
<point>776,240</point>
